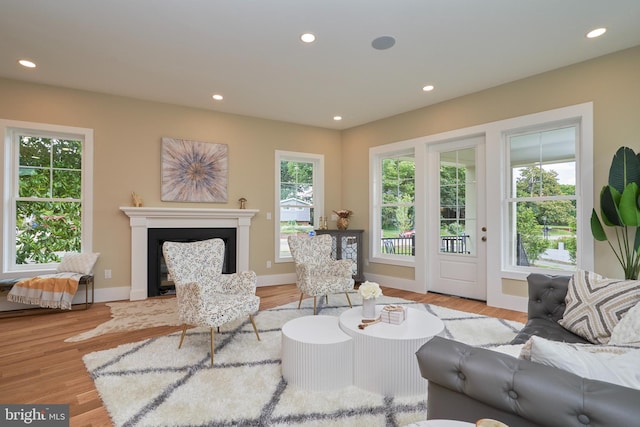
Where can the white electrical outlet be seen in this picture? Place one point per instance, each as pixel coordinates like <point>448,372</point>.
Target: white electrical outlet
<point>107,274</point>
<point>268,264</point>
<point>268,215</point>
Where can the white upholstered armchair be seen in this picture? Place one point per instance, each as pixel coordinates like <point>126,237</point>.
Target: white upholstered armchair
<point>206,297</point>
<point>317,273</point>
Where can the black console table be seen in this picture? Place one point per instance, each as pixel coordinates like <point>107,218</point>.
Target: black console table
<point>347,244</point>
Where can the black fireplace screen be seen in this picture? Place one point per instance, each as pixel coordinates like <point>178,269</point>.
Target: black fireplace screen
<point>158,282</point>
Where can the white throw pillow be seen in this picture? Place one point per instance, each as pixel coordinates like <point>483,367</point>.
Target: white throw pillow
<point>627,331</point>
<point>595,305</point>
<point>78,263</point>
<point>622,369</point>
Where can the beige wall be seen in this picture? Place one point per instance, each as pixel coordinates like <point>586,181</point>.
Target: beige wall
<point>128,136</point>
<point>611,82</point>
<point>127,143</point>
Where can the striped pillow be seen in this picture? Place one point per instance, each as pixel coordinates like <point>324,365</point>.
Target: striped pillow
<point>595,305</point>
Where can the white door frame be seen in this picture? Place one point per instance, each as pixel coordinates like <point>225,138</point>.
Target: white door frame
<point>456,274</point>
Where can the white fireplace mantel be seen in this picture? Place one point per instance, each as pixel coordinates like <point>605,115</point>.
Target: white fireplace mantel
<point>143,218</point>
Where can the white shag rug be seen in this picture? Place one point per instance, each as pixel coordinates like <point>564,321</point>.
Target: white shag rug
<point>153,383</point>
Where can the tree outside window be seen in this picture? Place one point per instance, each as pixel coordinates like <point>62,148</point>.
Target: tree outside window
<point>544,201</point>
<point>397,213</point>
<point>49,199</point>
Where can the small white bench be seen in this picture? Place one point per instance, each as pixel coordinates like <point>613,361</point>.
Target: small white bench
<point>316,354</point>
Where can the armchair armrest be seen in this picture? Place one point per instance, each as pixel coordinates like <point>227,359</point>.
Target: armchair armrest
<point>243,282</point>
<point>189,296</point>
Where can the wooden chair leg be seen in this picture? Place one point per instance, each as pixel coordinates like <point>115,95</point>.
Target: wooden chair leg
<point>300,302</point>
<point>326,299</point>
<point>213,332</point>
<point>255,329</point>
<point>348,299</point>
<point>314,305</point>
<point>184,332</point>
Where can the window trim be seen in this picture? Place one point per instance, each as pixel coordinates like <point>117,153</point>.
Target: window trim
<point>8,128</point>
<point>581,116</point>
<point>318,192</point>
<point>511,199</point>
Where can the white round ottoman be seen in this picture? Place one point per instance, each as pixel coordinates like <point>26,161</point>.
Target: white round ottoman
<point>316,354</point>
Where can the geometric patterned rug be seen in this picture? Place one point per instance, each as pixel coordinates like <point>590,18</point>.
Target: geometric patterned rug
<point>153,383</point>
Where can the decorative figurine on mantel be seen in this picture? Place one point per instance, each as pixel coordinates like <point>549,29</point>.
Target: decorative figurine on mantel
<point>243,202</point>
<point>136,200</point>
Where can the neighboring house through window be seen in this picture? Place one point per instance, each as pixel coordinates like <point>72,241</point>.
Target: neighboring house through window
<point>299,198</point>
<point>47,194</point>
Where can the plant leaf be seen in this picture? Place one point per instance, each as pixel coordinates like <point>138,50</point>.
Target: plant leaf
<point>628,207</point>
<point>636,242</point>
<point>596,228</point>
<point>625,168</point>
<point>609,199</point>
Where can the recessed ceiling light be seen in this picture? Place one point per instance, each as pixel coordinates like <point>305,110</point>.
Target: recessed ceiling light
<point>308,38</point>
<point>218,97</point>
<point>596,33</point>
<point>26,63</point>
<point>337,118</point>
<point>428,88</point>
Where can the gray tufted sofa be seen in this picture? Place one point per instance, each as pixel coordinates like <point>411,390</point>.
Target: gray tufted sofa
<point>468,383</point>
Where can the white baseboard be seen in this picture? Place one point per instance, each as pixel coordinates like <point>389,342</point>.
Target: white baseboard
<point>396,283</point>
<point>276,279</point>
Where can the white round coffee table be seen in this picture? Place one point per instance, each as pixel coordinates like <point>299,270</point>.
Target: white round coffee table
<point>384,354</point>
<point>316,353</point>
<point>441,423</point>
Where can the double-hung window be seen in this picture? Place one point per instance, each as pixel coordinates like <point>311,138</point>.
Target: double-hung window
<point>543,197</point>
<point>299,198</point>
<point>47,190</point>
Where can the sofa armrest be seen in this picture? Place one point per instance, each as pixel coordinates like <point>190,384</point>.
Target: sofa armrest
<point>541,394</point>
<point>546,306</point>
<point>546,296</point>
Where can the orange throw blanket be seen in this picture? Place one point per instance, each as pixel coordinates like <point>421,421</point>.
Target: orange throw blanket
<point>48,291</point>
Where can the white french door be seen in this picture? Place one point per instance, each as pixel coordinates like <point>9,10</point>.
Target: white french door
<point>456,247</point>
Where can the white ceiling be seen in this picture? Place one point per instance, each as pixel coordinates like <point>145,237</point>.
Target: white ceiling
<point>182,52</point>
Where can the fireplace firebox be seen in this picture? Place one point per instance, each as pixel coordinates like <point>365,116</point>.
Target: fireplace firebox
<point>158,282</point>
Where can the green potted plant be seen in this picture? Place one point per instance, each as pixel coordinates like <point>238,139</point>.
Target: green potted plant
<point>620,209</point>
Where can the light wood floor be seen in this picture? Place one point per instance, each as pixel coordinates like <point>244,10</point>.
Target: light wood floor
<point>38,367</point>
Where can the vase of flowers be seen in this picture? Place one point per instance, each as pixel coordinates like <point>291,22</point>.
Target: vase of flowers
<point>369,291</point>
<point>343,218</point>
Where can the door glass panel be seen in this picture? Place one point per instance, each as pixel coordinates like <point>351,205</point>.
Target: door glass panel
<point>458,193</point>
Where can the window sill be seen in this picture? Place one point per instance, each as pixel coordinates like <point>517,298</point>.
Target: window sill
<point>403,262</point>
